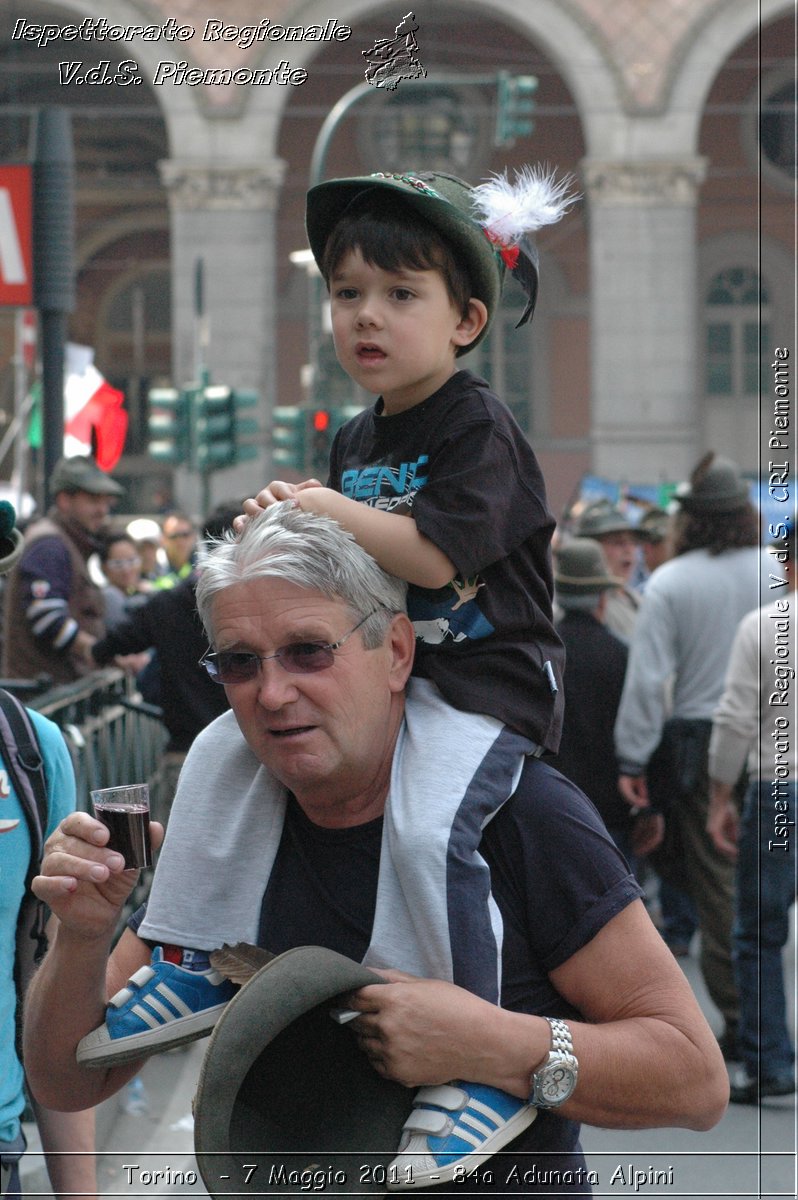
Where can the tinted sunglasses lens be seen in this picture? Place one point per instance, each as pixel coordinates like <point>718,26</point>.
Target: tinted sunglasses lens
<point>303,658</point>
<point>233,668</point>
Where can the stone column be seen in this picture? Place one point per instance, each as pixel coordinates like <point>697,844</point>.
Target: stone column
<point>644,316</point>
<point>224,215</point>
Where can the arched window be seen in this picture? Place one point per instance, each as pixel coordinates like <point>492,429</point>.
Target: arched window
<point>737,325</point>
<point>504,358</point>
<point>736,305</point>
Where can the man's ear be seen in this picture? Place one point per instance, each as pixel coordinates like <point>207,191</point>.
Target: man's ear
<point>401,640</point>
<point>472,324</point>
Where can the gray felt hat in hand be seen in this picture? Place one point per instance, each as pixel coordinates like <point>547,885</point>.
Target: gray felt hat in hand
<point>285,1094</point>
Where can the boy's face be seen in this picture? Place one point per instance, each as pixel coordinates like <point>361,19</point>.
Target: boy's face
<point>397,333</point>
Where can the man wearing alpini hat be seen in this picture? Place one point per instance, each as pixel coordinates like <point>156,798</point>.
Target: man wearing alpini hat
<point>690,609</point>
<point>595,666</point>
<point>53,608</point>
<point>619,542</point>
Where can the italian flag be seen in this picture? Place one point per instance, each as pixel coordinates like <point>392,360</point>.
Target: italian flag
<point>95,421</point>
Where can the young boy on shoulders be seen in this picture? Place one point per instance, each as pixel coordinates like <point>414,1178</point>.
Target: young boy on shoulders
<point>415,266</point>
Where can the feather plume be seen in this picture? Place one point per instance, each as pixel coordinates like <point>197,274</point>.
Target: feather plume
<point>535,198</point>
<point>240,962</point>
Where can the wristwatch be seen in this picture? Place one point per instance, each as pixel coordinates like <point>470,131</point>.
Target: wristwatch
<point>555,1080</point>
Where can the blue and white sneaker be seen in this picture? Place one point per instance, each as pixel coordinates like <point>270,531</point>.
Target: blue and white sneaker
<point>161,1006</point>
<point>455,1127</point>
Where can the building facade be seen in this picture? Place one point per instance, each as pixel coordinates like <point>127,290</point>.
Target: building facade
<point>664,292</point>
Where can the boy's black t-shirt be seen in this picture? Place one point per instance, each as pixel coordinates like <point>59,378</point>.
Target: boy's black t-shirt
<point>460,464</point>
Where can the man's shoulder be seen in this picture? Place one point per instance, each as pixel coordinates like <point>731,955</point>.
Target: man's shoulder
<point>549,815</point>
<point>44,538</point>
<point>544,795</point>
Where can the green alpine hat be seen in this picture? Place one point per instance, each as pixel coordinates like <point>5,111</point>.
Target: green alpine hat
<point>488,225</point>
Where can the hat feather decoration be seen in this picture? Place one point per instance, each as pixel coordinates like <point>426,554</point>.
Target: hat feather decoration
<point>509,211</point>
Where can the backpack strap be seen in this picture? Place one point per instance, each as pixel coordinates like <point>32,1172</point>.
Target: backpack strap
<point>22,758</point>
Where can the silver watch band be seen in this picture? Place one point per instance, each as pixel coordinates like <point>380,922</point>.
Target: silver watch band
<point>560,1035</point>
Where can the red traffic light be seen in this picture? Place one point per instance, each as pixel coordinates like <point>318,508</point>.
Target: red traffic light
<point>321,420</point>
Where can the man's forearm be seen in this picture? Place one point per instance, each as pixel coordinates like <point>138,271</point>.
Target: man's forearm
<point>68,1141</point>
<point>65,1001</point>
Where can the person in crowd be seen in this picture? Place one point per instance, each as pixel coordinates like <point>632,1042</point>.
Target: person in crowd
<point>595,666</point>
<point>753,718</point>
<point>679,919</point>
<point>121,566</point>
<point>691,607</point>
<point>67,1137</point>
<point>654,536</point>
<point>53,608</point>
<point>288,795</point>
<point>607,525</point>
<point>179,534</point>
<point>168,623</point>
<point>146,536</point>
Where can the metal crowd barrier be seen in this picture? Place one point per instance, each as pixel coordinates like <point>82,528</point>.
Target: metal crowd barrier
<point>113,736</point>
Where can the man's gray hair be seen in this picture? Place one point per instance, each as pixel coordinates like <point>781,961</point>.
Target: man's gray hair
<point>311,551</point>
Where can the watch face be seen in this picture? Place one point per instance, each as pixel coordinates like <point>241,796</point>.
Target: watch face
<point>555,1084</point>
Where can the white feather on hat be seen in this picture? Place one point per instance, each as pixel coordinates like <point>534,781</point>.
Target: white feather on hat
<point>509,210</point>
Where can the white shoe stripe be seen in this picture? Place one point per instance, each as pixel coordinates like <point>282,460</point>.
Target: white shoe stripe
<point>162,1011</point>
<point>467,1118</point>
<point>467,1136</point>
<point>147,1017</point>
<point>485,1111</point>
<point>174,999</point>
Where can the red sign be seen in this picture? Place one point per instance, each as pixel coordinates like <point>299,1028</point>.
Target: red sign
<point>16,236</point>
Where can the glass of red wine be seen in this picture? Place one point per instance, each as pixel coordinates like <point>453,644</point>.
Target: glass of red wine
<point>126,812</point>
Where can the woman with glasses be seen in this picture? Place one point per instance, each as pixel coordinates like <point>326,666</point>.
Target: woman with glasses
<point>125,590</point>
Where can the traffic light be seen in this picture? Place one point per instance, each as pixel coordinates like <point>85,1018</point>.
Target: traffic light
<point>321,437</point>
<point>514,108</point>
<point>221,434</point>
<point>288,437</point>
<point>245,428</point>
<point>213,421</point>
<point>168,425</point>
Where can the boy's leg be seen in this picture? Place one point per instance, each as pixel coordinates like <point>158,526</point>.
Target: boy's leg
<point>174,1000</point>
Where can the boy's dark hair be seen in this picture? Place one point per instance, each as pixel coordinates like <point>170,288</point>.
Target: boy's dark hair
<point>391,235</point>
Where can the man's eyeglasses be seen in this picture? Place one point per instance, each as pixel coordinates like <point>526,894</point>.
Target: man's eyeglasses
<point>179,533</point>
<point>300,658</point>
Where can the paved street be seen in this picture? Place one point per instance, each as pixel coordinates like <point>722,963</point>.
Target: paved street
<point>752,1152</point>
